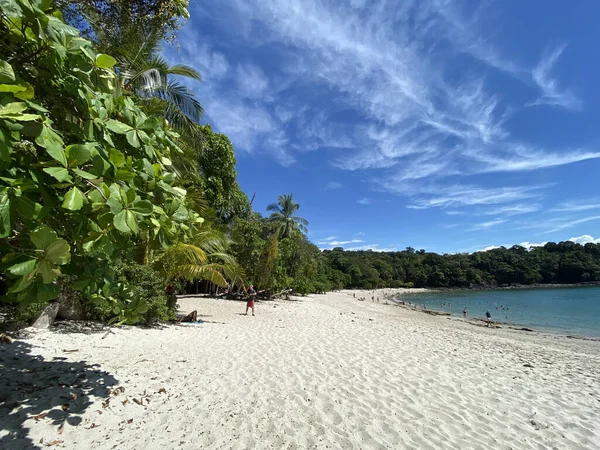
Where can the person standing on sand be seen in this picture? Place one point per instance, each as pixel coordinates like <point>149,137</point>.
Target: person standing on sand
<point>465,312</point>
<point>488,318</point>
<point>251,299</point>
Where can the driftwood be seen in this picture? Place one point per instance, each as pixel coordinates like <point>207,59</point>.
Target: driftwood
<point>47,316</point>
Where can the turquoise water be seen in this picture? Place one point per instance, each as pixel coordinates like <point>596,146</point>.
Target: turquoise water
<point>564,310</point>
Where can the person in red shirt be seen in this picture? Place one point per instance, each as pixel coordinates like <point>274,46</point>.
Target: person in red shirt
<point>251,298</point>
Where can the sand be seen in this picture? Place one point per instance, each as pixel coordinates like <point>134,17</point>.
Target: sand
<point>324,371</point>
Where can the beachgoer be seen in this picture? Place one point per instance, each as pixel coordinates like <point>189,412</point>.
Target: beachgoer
<point>465,312</point>
<point>488,318</point>
<point>191,317</point>
<point>251,298</point>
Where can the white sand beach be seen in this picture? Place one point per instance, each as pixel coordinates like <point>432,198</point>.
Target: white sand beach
<point>324,371</point>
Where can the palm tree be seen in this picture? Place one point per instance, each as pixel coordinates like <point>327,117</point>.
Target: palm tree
<point>147,75</point>
<point>206,258</point>
<point>284,218</point>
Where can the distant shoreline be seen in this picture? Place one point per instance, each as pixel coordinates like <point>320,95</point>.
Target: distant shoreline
<point>516,286</point>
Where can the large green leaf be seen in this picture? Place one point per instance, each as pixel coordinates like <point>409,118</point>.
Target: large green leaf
<point>22,284</point>
<point>7,74</point>
<point>48,271</point>
<point>23,268</point>
<point>47,292</point>
<point>52,143</point>
<point>114,204</point>
<point>120,222</point>
<point>84,174</point>
<point>118,127</point>
<point>143,207</point>
<point>42,237</point>
<point>60,173</point>
<point>12,88</point>
<point>131,221</point>
<point>59,252</point>
<point>27,208</point>
<point>132,138</point>
<point>27,93</point>
<point>56,151</point>
<point>105,61</point>
<point>5,223</point>
<point>116,157</point>
<point>77,154</point>
<point>12,109</point>
<point>73,199</point>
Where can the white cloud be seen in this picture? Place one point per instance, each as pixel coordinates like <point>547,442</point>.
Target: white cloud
<point>552,94</point>
<point>512,210</point>
<point>363,201</point>
<point>251,81</point>
<point>575,206</point>
<point>521,158</point>
<point>585,239</point>
<point>332,185</point>
<point>373,247</point>
<point>487,225</point>
<point>527,245</point>
<point>530,245</point>
<point>568,224</point>
<point>459,195</point>
<point>376,86</point>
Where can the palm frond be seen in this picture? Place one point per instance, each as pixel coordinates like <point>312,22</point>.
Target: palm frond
<point>179,97</point>
<point>301,221</point>
<point>202,272</point>
<point>184,70</point>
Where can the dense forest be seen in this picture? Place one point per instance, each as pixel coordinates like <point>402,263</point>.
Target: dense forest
<point>562,263</point>
<point>112,188</point>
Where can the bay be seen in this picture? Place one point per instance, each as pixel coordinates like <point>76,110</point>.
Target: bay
<point>572,311</point>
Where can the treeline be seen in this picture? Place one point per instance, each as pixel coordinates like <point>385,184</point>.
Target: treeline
<point>563,263</point>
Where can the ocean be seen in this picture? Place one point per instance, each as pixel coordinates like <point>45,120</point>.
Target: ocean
<point>573,311</point>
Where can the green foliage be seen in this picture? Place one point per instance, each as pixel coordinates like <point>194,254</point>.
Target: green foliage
<point>147,284</point>
<point>205,257</point>
<point>216,163</point>
<point>111,23</point>
<point>283,216</point>
<point>84,173</point>
<point>565,262</point>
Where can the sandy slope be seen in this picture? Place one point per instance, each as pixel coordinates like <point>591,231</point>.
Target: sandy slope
<point>327,371</point>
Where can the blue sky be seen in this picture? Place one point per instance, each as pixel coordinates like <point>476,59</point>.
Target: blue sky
<point>437,124</point>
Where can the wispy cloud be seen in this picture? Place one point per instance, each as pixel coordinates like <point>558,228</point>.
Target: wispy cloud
<point>364,201</point>
<point>569,224</point>
<point>486,225</point>
<point>334,243</point>
<point>458,195</point>
<point>552,93</point>
<point>521,158</point>
<point>576,206</point>
<point>512,210</point>
<point>332,185</point>
<point>375,86</point>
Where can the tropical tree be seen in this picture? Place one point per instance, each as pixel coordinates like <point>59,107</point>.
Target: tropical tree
<point>216,165</point>
<point>205,257</point>
<point>83,170</point>
<point>283,216</point>
<point>111,23</point>
<point>147,75</point>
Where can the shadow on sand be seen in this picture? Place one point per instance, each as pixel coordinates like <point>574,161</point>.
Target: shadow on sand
<point>54,390</point>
